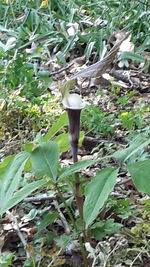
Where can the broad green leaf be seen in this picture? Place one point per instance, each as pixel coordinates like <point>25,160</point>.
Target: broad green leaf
<point>61,122</point>
<point>76,167</point>
<point>28,146</point>
<point>102,228</point>
<point>10,177</point>
<point>4,164</point>
<point>48,219</point>
<point>97,192</point>
<point>63,142</point>
<point>140,173</point>
<point>45,159</point>
<point>133,56</point>
<point>22,193</point>
<point>138,143</point>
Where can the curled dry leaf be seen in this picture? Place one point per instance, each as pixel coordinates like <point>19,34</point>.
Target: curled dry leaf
<point>101,66</point>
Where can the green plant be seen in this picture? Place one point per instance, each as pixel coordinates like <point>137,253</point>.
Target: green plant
<point>49,29</point>
<point>97,121</point>
<point>100,229</point>
<point>134,119</point>
<point>49,173</point>
<point>124,208</point>
<point>6,259</point>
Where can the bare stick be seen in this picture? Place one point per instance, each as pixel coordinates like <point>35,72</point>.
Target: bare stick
<point>61,70</point>
<point>16,227</point>
<point>39,199</point>
<point>63,219</point>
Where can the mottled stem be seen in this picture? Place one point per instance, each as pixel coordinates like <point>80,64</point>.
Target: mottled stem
<point>74,128</point>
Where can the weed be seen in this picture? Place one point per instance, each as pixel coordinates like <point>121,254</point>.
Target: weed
<point>96,121</point>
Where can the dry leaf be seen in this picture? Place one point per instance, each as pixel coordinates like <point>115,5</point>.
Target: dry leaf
<point>101,66</point>
<point>127,46</point>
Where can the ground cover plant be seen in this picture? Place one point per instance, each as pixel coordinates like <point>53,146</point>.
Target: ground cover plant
<point>74,192</point>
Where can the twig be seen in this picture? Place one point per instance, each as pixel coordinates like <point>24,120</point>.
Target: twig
<point>61,70</point>
<point>39,199</point>
<point>102,141</point>
<point>55,257</point>
<point>16,227</point>
<point>66,206</point>
<point>123,182</point>
<point>63,219</point>
<point>123,78</point>
<point>142,250</point>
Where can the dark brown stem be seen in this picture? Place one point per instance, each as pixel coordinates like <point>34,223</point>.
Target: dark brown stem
<point>74,128</point>
<point>78,196</point>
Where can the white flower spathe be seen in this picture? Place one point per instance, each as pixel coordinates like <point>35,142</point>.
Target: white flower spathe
<point>73,101</point>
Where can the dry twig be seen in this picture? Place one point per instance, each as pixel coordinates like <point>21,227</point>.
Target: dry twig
<point>16,227</point>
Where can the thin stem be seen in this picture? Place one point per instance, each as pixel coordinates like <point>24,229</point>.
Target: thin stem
<point>82,247</point>
<point>66,206</point>
<point>62,217</point>
<point>13,14</point>
<point>78,196</point>
<point>80,201</point>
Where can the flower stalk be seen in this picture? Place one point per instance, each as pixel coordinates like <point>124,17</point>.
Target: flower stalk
<point>73,104</point>
<point>74,128</point>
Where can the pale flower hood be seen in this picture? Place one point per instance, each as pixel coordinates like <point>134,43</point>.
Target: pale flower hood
<point>73,101</point>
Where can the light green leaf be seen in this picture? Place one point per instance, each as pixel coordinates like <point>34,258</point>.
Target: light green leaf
<point>66,88</point>
<point>60,56</point>
<point>64,143</point>
<point>10,177</point>
<point>89,49</point>
<point>140,173</point>
<point>76,167</point>
<point>4,164</point>
<point>138,143</point>
<point>102,228</point>
<point>48,219</point>
<point>6,259</point>
<point>97,192</point>
<point>61,122</point>
<point>28,146</point>
<point>28,166</point>
<point>22,193</point>
<point>44,75</point>
<point>81,138</point>
<point>45,159</point>
<point>133,56</point>
<point>144,46</point>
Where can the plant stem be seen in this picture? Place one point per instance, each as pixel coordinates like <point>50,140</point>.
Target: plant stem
<point>74,127</point>
<point>80,201</point>
<point>82,247</point>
